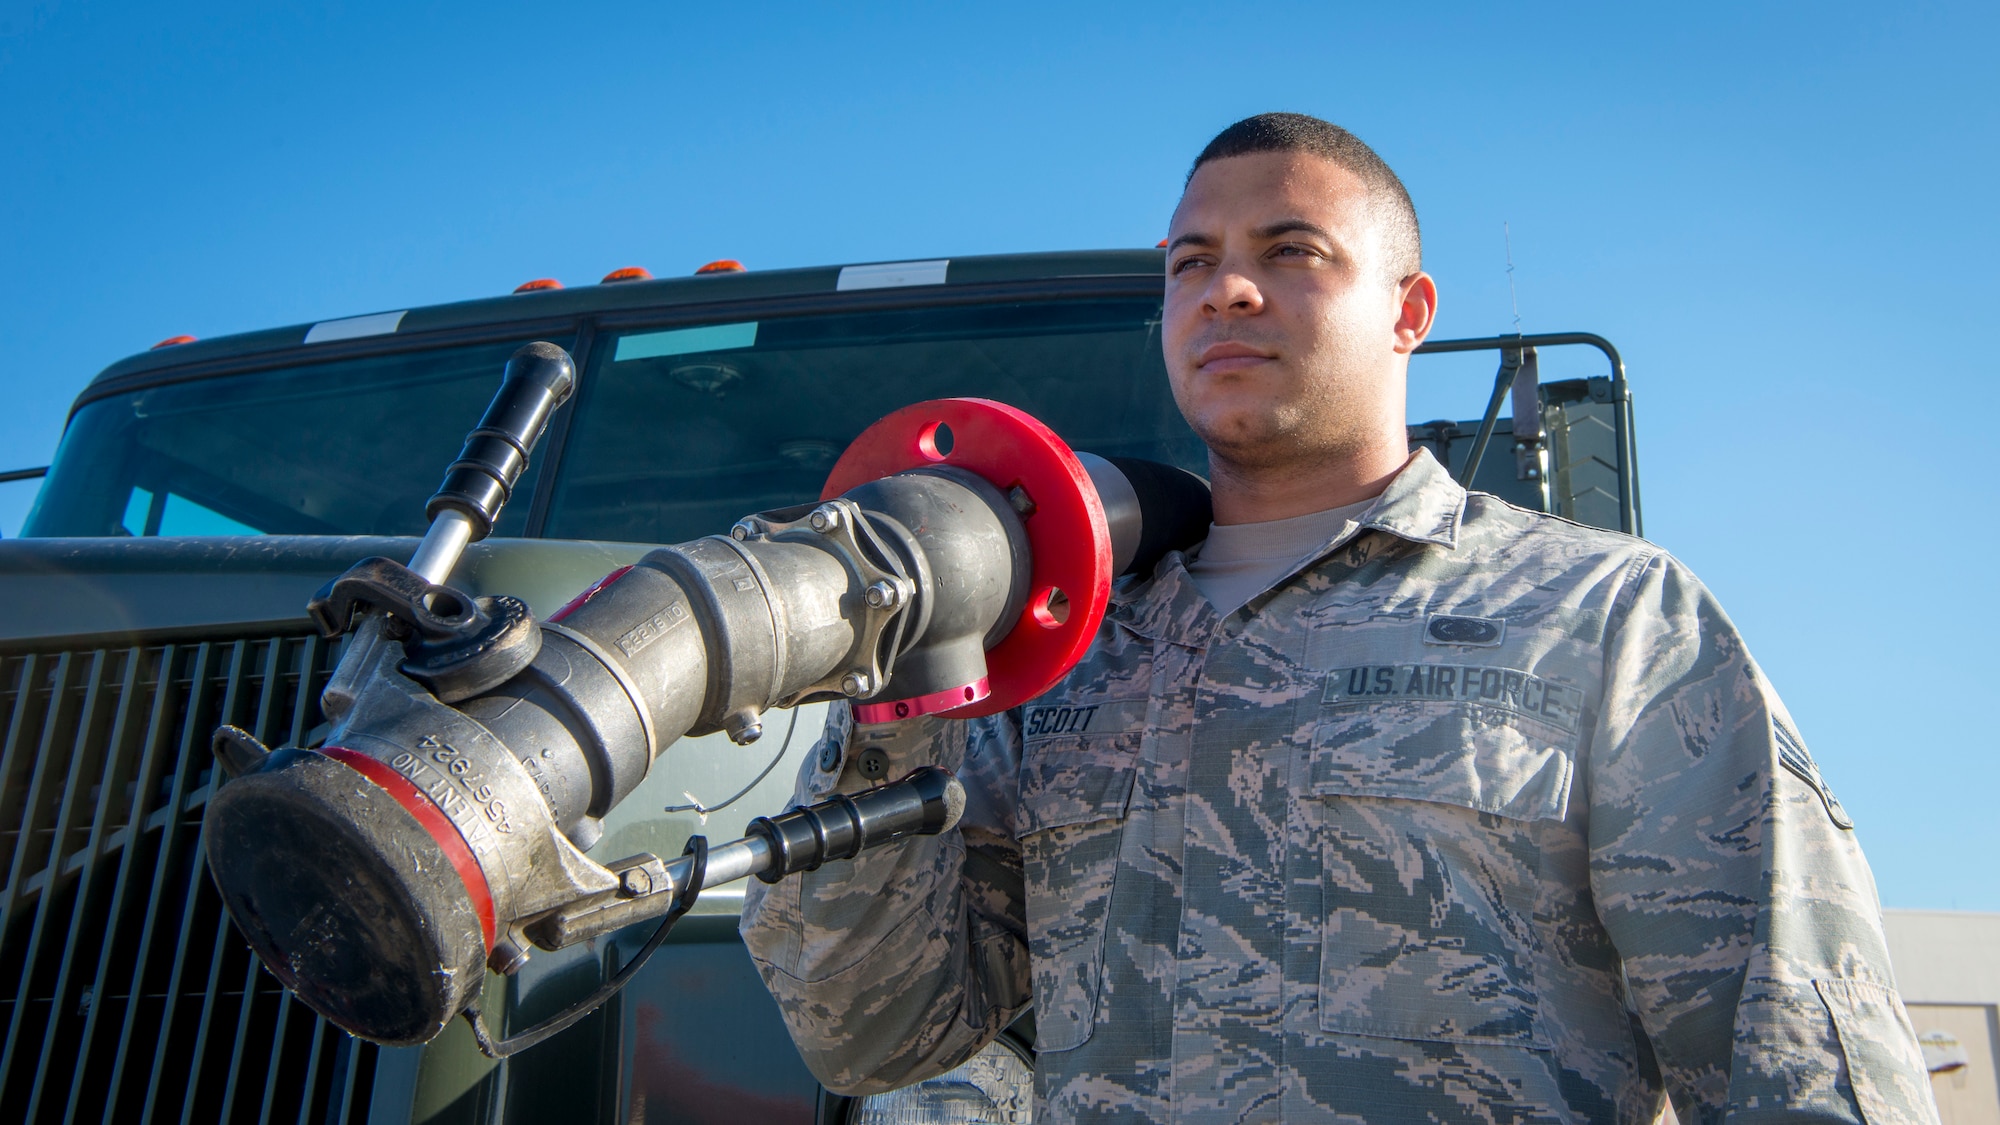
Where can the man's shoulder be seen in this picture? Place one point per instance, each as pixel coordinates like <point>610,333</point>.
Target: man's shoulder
<point>1493,524</point>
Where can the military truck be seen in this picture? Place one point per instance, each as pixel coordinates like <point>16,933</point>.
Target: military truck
<point>203,491</point>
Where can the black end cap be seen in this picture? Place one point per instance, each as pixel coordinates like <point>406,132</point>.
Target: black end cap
<point>545,365</point>
<point>346,899</point>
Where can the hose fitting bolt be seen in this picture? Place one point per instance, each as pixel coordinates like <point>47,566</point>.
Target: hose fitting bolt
<point>507,957</point>
<point>883,594</point>
<point>743,727</point>
<point>857,684</point>
<point>825,519</point>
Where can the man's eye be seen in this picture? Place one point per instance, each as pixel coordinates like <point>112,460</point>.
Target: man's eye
<point>1186,264</point>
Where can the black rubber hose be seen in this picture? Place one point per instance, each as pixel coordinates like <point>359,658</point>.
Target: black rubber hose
<point>1174,510</point>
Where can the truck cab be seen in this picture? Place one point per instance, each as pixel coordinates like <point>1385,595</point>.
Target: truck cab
<point>202,491</point>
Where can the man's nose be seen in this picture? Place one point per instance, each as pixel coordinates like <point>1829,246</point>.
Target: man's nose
<point>1230,290</point>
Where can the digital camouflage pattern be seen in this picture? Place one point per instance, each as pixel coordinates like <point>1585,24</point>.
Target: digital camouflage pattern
<point>1480,816</point>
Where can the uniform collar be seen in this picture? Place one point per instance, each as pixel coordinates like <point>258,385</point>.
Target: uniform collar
<point>1422,504</point>
<point>1166,606</point>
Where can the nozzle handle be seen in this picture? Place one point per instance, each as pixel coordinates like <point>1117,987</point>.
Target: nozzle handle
<point>928,801</point>
<point>538,378</point>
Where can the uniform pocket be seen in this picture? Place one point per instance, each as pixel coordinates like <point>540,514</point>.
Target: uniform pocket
<point>1432,817</point>
<point>1074,794</point>
<point>1456,754</point>
<point>1885,1065</point>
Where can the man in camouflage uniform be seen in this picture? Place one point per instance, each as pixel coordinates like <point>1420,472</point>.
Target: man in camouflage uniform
<point>1462,814</point>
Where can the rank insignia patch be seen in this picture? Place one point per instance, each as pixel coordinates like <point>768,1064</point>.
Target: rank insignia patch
<point>1793,756</point>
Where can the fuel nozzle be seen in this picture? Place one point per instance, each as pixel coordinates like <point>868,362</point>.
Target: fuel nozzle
<point>441,823</point>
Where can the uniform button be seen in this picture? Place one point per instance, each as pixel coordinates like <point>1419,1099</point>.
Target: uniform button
<point>829,756</point>
<point>873,763</point>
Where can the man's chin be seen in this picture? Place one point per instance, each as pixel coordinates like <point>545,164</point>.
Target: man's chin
<point>1239,420</point>
<point>1269,442</point>
<point>1248,440</point>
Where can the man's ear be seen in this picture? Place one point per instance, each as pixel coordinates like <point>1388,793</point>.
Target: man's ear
<point>1417,301</point>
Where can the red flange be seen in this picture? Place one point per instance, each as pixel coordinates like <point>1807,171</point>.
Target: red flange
<point>1070,582</point>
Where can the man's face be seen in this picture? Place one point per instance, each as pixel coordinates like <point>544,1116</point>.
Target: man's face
<point>1285,337</point>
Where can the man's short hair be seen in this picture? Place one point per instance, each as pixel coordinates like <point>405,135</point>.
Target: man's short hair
<point>1402,240</point>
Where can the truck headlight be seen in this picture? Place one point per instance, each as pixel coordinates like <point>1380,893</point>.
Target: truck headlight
<point>994,1087</point>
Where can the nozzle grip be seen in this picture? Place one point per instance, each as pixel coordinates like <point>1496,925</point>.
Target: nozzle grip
<point>539,377</point>
<point>925,803</point>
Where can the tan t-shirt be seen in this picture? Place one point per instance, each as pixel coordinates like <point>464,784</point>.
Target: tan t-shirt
<point>1238,561</point>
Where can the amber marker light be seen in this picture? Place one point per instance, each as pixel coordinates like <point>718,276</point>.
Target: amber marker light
<point>629,273</point>
<point>538,284</point>
<point>721,265</point>
<point>1160,245</point>
<point>172,341</point>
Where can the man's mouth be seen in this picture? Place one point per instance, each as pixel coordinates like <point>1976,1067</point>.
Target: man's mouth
<point>1227,356</point>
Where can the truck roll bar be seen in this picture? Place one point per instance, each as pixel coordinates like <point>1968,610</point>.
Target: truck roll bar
<point>1513,352</point>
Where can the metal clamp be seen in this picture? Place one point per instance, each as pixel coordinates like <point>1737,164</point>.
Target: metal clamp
<point>884,592</point>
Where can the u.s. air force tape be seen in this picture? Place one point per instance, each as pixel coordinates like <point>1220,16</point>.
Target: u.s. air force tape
<point>1519,692</point>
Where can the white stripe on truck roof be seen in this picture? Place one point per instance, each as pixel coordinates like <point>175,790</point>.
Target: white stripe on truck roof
<point>886,275</point>
<point>354,327</point>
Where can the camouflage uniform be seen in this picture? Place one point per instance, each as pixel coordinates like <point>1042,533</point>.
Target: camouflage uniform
<point>1480,816</point>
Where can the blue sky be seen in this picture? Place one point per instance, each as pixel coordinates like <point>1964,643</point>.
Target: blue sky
<point>1782,214</point>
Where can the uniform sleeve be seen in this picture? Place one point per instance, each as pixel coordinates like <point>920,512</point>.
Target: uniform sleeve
<point>1729,879</point>
<point>903,962</point>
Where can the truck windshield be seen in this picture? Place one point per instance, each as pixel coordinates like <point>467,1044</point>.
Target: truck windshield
<point>678,431</point>
<point>351,447</point>
<point>681,431</point>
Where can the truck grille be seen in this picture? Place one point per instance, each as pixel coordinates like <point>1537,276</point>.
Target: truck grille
<point>125,992</point>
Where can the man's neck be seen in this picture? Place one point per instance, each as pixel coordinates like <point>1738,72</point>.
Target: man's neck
<point>1261,493</point>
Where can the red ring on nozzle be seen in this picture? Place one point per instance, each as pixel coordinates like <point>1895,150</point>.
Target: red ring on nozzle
<point>436,823</point>
<point>936,703</point>
<point>596,588</point>
<point>1067,533</point>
